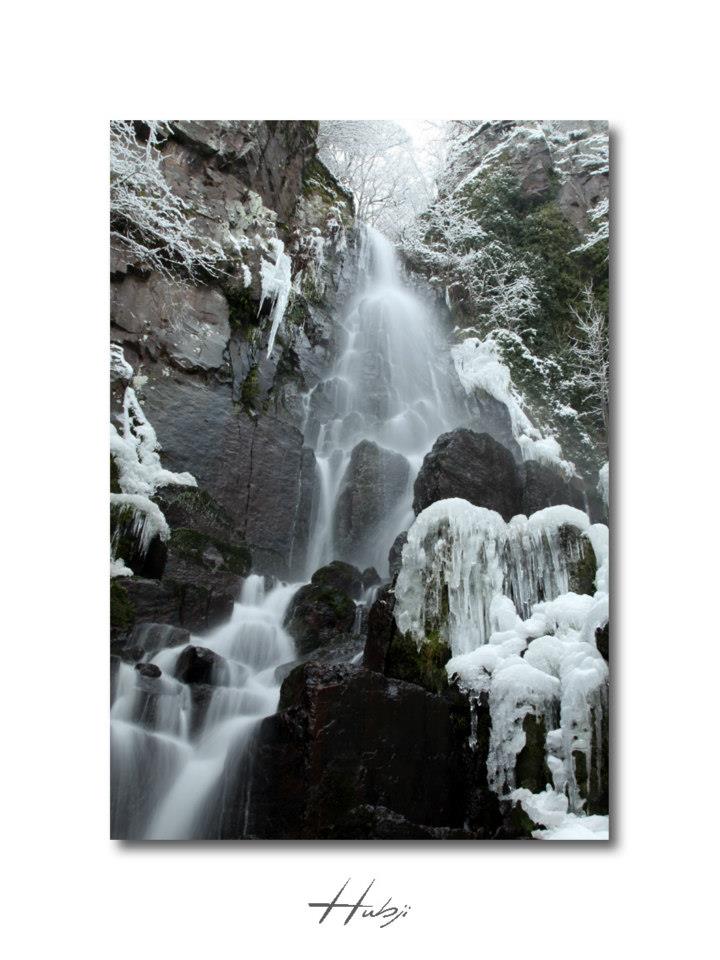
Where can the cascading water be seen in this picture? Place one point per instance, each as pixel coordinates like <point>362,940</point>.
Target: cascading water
<point>171,740</point>
<point>388,388</point>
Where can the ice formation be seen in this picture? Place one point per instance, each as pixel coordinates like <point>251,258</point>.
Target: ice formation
<point>550,811</point>
<point>521,641</point>
<point>276,281</point>
<point>468,558</point>
<point>148,520</point>
<point>479,366</point>
<point>135,451</point>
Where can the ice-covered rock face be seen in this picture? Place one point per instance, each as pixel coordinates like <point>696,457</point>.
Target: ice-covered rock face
<point>468,573</point>
<point>522,642</point>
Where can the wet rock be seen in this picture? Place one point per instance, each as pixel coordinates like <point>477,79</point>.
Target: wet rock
<point>196,605</point>
<point>201,665</point>
<point>381,630</point>
<point>582,564</point>
<point>339,743</point>
<point>602,640</point>
<point>340,576</point>
<point>370,578</point>
<point>472,466</point>
<point>488,415</point>
<point>531,769</point>
<point>545,487</point>
<point>254,468</point>
<point>201,695</point>
<point>151,671</point>
<point>319,615</point>
<point>395,555</point>
<point>372,490</point>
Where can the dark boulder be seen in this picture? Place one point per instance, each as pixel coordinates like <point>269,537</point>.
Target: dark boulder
<point>545,487</point>
<point>334,761</point>
<point>339,576</point>
<point>201,665</point>
<point>319,615</point>
<point>398,656</point>
<point>370,578</point>
<point>381,630</point>
<point>472,466</point>
<point>372,490</point>
<point>151,671</point>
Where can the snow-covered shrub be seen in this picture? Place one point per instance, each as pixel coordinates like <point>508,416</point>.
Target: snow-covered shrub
<point>149,222</point>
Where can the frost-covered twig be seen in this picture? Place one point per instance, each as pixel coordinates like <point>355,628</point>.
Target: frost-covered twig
<point>150,223</point>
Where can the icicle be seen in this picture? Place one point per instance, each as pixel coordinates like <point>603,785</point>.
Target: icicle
<point>136,452</point>
<point>148,519</point>
<point>498,594</point>
<point>276,283</point>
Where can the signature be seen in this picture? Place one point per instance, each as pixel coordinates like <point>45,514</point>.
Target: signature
<point>386,912</point>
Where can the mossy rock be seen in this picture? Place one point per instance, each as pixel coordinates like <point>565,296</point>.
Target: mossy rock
<point>122,611</point>
<point>194,546</point>
<point>126,544</point>
<point>582,571</point>
<point>319,616</point>
<point>339,576</point>
<point>319,182</point>
<point>250,390</point>
<point>424,666</point>
<point>192,507</point>
<point>242,308</point>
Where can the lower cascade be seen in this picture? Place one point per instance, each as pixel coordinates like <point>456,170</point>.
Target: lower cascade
<point>171,739</point>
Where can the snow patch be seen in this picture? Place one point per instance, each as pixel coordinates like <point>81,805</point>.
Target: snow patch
<point>479,366</point>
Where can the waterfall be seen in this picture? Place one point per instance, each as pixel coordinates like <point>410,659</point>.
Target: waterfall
<point>389,388</point>
<point>171,740</point>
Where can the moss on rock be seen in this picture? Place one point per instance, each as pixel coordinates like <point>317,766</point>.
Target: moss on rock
<point>192,545</point>
<point>122,611</point>
<point>581,571</point>
<point>424,666</point>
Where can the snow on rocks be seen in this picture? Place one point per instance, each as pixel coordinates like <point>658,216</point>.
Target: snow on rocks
<point>465,557</point>
<point>479,366</point>
<point>550,811</point>
<point>520,640</point>
<point>135,448</point>
<point>148,520</point>
<point>135,451</point>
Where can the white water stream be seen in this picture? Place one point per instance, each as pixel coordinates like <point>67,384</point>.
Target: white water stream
<point>169,752</point>
<point>389,386</point>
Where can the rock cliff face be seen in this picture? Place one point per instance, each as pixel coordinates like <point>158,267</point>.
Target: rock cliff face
<point>223,409</point>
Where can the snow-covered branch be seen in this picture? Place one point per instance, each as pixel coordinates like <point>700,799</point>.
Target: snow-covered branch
<point>149,222</point>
